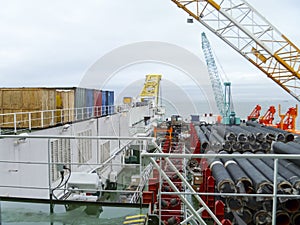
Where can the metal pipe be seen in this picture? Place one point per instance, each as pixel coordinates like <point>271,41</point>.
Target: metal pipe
<point>246,216</point>
<point>282,218</point>
<point>258,133</point>
<point>255,147</point>
<point>262,217</point>
<point>215,144</point>
<point>236,146</point>
<point>295,169</point>
<point>218,137</point>
<point>282,148</point>
<point>294,144</point>
<point>245,147</point>
<point>283,185</point>
<point>240,178</point>
<point>234,203</point>
<point>250,134</point>
<point>285,173</point>
<point>297,138</point>
<point>227,146</point>
<point>202,138</point>
<point>266,146</point>
<point>224,182</point>
<point>296,218</point>
<point>260,182</point>
<point>287,136</point>
<point>292,205</point>
<point>246,135</point>
<point>205,131</point>
<point>224,131</point>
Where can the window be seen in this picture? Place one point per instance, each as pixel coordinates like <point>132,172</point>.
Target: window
<point>84,147</point>
<point>60,154</point>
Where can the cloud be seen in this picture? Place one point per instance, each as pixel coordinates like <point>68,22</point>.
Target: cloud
<point>55,42</point>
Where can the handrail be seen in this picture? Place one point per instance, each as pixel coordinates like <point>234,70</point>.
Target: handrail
<point>166,156</point>
<point>52,117</point>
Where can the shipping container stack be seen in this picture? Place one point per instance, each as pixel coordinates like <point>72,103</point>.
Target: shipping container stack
<point>107,103</point>
<point>36,108</point>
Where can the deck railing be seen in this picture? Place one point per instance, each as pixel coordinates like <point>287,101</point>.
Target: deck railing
<point>16,121</point>
<point>156,158</point>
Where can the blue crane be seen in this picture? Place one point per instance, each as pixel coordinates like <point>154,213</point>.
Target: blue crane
<point>223,98</point>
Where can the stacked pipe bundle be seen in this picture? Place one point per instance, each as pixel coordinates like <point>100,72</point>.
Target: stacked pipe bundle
<point>203,137</point>
<point>290,148</point>
<point>242,138</point>
<point>280,135</point>
<point>254,175</point>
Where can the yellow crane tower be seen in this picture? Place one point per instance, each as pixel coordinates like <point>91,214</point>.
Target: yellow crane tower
<point>151,88</point>
<point>238,24</point>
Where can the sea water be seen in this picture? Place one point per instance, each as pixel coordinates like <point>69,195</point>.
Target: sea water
<point>17,213</point>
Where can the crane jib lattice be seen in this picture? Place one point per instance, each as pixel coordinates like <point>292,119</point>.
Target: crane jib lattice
<point>249,33</point>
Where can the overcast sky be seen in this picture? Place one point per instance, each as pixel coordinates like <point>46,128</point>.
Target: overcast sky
<point>53,43</point>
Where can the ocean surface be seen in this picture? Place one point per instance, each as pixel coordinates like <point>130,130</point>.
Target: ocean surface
<point>13,213</point>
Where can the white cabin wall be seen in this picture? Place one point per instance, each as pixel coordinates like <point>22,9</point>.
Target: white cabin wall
<point>36,150</point>
<point>29,175</point>
<point>137,114</point>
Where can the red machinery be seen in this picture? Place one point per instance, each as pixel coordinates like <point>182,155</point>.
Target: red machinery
<point>254,115</point>
<point>288,120</point>
<point>268,118</point>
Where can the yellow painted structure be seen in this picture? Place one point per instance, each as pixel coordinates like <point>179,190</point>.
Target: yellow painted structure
<point>151,87</point>
<point>245,30</point>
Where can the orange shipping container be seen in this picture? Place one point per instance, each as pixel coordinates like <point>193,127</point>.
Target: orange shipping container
<point>28,100</point>
<point>65,105</point>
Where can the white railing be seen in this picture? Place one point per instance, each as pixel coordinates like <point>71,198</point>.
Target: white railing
<point>47,118</point>
<point>193,214</point>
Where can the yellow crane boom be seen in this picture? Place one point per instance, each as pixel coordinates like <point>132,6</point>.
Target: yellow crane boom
<point>249,33</point>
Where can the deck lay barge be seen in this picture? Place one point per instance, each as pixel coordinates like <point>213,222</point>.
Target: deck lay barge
<point>166,172</point>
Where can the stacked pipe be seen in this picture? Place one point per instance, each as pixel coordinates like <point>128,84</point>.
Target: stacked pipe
<point>243,138</point>
<point>262,141</point>
<point>282,148</point>
<point>204,143</point>
<point>280,135</point>
<point>253,175</point>
<point>240,176</point>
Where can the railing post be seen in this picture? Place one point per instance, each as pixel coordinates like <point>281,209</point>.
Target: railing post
<point>29,121</point>
<point>49,177</point>
<point>159,189</point>
<point>15,123</point>
<point>275,192</point>
<point>42,119</point>
<point>52,117</point>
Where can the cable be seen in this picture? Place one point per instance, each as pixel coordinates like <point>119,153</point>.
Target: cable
<point>65,185</point>
<point>62,183</point>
